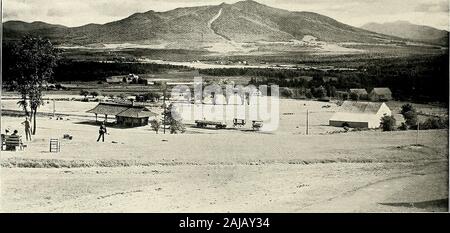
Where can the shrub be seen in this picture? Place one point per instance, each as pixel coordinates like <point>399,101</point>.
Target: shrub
<point>94,94</point>
<point>286,92</point>
<point>388,123</point>
<point>434,123</point>
<point>406,108</point>
<point>173,118</point>
<point>354,96</point>
<point>84,93</point>
<point>403,126</point>
<point>410,118</point>
<point>319,92</point>
<point>155,124</point>
<point>308,93</point>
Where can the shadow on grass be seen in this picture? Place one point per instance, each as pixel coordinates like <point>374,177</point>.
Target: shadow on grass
<point>441,204</point>
<point>109,124</point>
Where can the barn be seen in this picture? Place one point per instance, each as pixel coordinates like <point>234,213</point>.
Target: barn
<point>360,114</point>
<point>380,94</point>
<point>127,115</point>
<point>362,93</point>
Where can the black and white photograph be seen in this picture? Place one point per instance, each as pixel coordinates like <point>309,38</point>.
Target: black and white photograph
<point>224,106</point>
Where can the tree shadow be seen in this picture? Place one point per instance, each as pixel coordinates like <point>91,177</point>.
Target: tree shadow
<point>433,204</point>
<point>108,124</point>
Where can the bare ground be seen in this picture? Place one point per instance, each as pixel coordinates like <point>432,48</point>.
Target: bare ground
<point>137,170</point>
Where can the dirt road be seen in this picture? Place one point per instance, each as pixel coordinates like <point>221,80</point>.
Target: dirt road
<point>372,187</point>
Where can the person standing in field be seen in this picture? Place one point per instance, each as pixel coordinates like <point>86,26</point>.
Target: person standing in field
<point>101,133</point>
<point>26,123</point>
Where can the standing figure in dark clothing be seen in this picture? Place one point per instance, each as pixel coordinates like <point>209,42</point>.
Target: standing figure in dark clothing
<point>101,133</point>
<point>26,123</point>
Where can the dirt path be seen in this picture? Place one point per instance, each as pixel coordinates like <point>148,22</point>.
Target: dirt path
<point>228,188</point>
<point>411,192</point>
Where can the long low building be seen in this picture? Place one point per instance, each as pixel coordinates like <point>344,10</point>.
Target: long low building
<point>360,114</point>
<point>127,115</point>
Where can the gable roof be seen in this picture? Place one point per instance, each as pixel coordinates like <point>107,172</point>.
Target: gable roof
<point>108,109</point>
<point>360,107</point>
<point>359,91</point>
<point>381,91</point>
<point>123,110</point>
<point>137,112</point>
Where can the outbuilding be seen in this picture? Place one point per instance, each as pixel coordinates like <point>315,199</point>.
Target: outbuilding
<point>360,114</point>
<point>362,93</point>
<point>127,115</point>
<point>380,94</point>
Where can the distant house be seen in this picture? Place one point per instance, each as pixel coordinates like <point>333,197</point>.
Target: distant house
<point>380,94</point>
<point>306,78</point>
<point>360,114</point>
<point>127,115</point>
<point>131,78</point>
<point>114,79</point>
<point>329,79</point>
<point>362,93</point>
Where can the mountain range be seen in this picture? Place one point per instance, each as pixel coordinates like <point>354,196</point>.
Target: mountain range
<point>239,25</point>
<point>407,30</point>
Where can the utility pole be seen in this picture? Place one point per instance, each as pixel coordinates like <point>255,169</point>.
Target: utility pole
<point>165,107</point>
<point>417,136</point>
<point>54,108</point>
<point>307,122</point>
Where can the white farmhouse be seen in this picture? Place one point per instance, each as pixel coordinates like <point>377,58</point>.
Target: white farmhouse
<point>360,114</point>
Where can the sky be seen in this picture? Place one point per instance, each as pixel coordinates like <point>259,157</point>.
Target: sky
<point>433,13</point>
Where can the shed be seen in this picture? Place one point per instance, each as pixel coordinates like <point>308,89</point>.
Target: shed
<point>360,114</point>
<point>358,91</point>
<point>114,79</point>
<point>380,94</point>
<point>126,114</point>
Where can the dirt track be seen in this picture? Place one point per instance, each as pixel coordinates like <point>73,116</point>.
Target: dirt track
<point>137,170</point>
<point>242,188</point>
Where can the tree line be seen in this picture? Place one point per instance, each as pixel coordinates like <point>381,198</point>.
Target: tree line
<point>422,79</point>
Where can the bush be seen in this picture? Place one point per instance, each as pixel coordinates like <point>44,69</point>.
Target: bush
<point>403,126</point>
<point>410,118</point>
<point>84,93</point>
<point>406,108</point>
<point>308,93</point>
<point>94,94</point>
<point>319,92</point>
<point>388,123</point>
<point>354,96</point>
<point>286,92</point>
<point>435,123</point>
<point>155,124</point>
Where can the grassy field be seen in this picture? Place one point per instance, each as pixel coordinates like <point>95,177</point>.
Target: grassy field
<point>235,170</point>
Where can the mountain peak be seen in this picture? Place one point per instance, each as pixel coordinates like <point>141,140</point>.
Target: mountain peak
<point>242,22</point>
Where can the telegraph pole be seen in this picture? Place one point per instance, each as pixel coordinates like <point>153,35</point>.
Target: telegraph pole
<point>54,109</point>
<point>165,108</point>
<point>417,136</point>
<point>307,122</point>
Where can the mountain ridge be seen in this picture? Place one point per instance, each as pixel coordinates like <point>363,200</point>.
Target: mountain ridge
<point>407,30</point>
<point>242,22</point>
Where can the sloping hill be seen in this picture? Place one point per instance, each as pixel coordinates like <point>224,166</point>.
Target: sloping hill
<point>407,30</point>
<point>245,21</point>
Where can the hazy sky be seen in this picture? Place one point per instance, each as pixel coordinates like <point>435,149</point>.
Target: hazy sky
<point>354,12</point>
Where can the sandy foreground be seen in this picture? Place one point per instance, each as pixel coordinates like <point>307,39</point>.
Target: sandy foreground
<point>204,170</point>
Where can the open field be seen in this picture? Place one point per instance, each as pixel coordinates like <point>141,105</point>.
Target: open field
<point>349,187</point>
<point>236,170</point>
